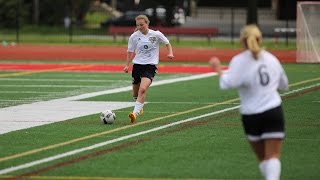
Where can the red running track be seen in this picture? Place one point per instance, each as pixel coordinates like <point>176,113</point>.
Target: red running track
<point>74,52</point>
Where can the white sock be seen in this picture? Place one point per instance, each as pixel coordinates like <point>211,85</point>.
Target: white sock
<point>272,169</point>
<point>262,168</point>
<point>137,107</point>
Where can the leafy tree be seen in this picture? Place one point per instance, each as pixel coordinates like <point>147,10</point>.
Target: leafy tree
<point>51,12</point>
<point>11,11</point>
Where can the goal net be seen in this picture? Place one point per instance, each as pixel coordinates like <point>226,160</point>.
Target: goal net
<point>308,32</point>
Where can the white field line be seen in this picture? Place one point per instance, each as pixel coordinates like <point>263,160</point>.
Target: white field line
<point>300,89</point>
<point>76,151</point>
<point>161,82</point>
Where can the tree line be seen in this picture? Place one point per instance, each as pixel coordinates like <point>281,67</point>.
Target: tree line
<point>41,12</point>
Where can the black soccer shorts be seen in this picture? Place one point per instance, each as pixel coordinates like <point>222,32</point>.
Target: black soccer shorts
<point>143,70</point>
<point>266,125</point>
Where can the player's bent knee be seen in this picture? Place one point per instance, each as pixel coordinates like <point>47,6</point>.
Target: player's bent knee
<point>142,90</point>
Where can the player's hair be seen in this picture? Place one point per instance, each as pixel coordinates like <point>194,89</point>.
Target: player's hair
<point>144,17</point>
<point>251,37</point>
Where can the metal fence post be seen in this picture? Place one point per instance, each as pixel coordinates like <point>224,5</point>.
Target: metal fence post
<point>18,8</point>
<point>70,31</point>
<point>232,25</point>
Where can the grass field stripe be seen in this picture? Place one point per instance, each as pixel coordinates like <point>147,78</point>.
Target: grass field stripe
<point>51,102</point>
<point>303,82</point>
<point>108,132</point>
<point>100,178</point>
<point>112,141</point>
<point>5,114</point>
<point>47,70</point>
<point>129,88</point>
<point>117,140</point>
<point>114,130</point>
<point>164,102</point>
<point>76,151</point>
<point>95,178</point>
<point>186,112</point>
<point>27,92</point>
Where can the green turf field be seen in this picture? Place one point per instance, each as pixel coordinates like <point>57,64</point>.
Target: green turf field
<point>190,130</point>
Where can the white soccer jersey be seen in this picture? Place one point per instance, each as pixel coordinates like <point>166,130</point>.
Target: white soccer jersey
<point>257,81</point>
<point>146,46</point>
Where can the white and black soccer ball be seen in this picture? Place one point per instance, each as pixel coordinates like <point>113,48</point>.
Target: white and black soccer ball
<point>108,117</point>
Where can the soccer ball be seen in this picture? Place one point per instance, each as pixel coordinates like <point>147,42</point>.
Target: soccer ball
<point>108,117</point>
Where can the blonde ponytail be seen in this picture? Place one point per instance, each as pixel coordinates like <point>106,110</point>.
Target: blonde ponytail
<point>251,37</point>
<point>253,46</point>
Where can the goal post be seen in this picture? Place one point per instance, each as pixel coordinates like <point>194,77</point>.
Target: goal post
<point>308,32</point>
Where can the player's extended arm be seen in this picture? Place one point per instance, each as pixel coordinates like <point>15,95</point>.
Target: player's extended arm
<point>170,52</point>
<point>129,58</point>
<point>216,65</point>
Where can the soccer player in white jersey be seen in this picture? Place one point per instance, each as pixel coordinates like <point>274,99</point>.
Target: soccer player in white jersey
<point>258,75</point>
<point>143,51</point>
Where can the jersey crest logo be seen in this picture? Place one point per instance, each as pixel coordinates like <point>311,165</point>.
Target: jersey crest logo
<point>152,39</point>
